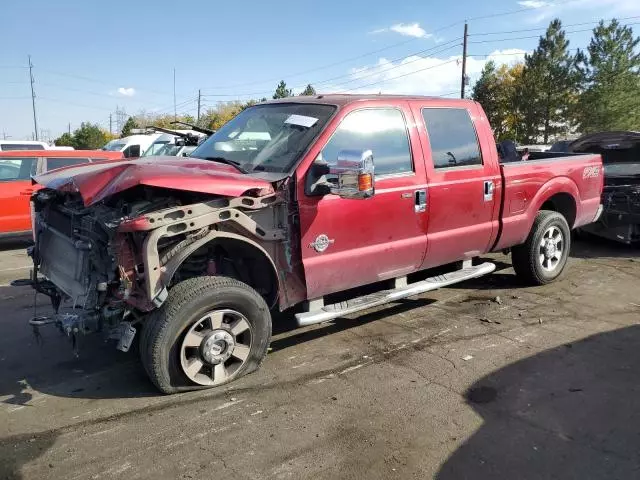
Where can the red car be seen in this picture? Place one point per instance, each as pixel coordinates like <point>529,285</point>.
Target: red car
<point>289,203</point>
<point>16,169</point>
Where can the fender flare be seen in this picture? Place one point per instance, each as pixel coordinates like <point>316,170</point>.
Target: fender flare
<point>178,259</point>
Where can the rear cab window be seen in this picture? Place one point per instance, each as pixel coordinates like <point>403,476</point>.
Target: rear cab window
<point>17,168</point>
<point>382,130</point>
<point>452,136</point>
<point>59,162</point>
<point>8,147</point>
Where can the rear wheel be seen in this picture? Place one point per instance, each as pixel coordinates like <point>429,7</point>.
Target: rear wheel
<point>542,258</point>
<point>210,331</point>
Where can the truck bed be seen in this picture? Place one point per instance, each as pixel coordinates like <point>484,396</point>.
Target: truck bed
<point>546,179</point>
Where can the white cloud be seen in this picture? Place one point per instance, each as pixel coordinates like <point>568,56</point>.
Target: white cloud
<point>127,92</point>
<point>534,4</point>
<point>417,75</point>
<point>410,30</point>
<point>406,29</point>
<point>545,10</point>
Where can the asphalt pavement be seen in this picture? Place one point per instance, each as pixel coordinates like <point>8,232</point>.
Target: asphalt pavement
<point>487,380</point>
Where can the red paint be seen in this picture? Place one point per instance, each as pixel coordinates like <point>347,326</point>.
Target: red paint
<point>15,216</point>
<point>97,181</point>
<point>382,237</point>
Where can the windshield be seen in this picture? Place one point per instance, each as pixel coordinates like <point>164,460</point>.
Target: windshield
<point>114,146</point>
<point>267,138</point>
<point>156,147</point>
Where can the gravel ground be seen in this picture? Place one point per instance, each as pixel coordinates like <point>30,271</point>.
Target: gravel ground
<point>538,383</point>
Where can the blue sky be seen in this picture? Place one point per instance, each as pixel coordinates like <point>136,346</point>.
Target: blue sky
<point>90,59</point>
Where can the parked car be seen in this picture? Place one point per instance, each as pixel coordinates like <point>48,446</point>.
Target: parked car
<point>132,146</point>
<point>16,169</point>
<point>288,204</point>
<point>174,143</point>
<point>620,152</point>
<point>9,145</point>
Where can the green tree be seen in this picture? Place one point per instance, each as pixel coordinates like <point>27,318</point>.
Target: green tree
<point>550,81</point>
<point>308,91</point>
<point>88,137</point>
<point>64,140</point>
<point>282,91</point>
<point>128,126</point>
<point>497,91</point>
<point>611,74</point>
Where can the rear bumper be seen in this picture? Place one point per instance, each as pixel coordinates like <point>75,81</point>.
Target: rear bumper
<point>21,235</point>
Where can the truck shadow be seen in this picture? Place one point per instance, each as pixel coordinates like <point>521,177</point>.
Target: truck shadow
<point>590,246</point>
<point>569,412</point>
<point>19,450</point>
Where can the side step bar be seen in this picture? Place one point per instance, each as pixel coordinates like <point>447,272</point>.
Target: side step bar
<point>330,312</point>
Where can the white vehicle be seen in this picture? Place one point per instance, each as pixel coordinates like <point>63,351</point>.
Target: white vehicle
<point>131,146</point>
<point>55,147</point>
<point>174,143</point>
<point>8,145</point>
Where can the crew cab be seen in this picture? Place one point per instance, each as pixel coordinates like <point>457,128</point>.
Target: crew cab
<point>290,204</point>
<point>16,169</point>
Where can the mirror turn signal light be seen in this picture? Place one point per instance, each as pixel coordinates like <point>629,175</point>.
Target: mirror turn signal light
<point>365,182</point>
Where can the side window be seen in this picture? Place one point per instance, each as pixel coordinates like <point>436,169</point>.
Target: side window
<point>53,163</point>
<point>6,147</point>
<point>17,169</point>
<point>452,137</point>
<point>381,130</point>
<point>132,151</point>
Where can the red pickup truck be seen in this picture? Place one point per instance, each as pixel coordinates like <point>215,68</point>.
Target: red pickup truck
<point>289,203</point>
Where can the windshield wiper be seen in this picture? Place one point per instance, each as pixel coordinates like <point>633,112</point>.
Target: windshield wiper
<point>228,162</point>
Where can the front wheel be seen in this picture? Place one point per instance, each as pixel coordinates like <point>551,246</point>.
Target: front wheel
<point>543,256</point>
<point>210,331</point>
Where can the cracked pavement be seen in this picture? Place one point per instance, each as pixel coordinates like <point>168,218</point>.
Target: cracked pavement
<point>452,384</point>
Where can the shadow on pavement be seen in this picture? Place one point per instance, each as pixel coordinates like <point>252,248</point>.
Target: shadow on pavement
<point>569,412</point>
<point>19,450</point>
<point>590,246</point>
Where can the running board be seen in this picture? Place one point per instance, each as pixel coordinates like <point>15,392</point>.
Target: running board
<point>330,312</point>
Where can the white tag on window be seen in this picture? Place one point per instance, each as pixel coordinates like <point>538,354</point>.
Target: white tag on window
<point>301,120</point>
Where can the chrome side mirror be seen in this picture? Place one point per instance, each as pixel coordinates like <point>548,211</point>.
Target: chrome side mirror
<point>354,170</point>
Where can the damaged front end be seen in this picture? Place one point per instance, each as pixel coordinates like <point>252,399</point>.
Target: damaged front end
<point>620,151</point>
<point>105,266</point>
<point>620,219</point>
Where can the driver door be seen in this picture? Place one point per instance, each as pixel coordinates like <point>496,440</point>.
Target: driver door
<point>347,243</point>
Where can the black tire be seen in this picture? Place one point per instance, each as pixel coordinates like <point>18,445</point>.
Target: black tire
<point>526,257</point>
<point>164,330</point>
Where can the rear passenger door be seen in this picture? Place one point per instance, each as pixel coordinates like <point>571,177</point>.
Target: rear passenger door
<point>463,201</point>
<point>15,193</point>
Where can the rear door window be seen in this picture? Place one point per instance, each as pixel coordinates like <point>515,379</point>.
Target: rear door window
<point>8,147</point>
<point>17,168</point>
<point>59,162</point>
<point>452,137</point>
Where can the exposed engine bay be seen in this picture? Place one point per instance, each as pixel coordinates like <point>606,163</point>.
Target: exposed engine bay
<point>105,266</point>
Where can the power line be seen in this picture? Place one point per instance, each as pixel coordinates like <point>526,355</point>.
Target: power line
<point>434,50</point>
<point>404,75</point>
<point>545,28</point>
<point>373,52</point>
<point>535,36</point>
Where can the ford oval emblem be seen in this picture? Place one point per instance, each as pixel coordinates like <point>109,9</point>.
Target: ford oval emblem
<point>321,243</point>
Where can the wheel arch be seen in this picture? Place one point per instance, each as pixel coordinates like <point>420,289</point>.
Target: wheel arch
<point>262,268</point>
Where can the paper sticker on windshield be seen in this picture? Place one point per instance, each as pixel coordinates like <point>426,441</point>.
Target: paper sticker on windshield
<point>301,120</point>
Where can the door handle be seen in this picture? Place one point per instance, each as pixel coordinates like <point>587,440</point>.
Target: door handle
<point>489,187</point>
<point>420,201</point>
<point>29,191</point>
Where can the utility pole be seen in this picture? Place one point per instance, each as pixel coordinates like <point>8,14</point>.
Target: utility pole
<point>175,112</point>
<point>110,123</point>
<point>33,99</point>
<point>199,96</point>
<point>464,61</point>
<point>69,128</point>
